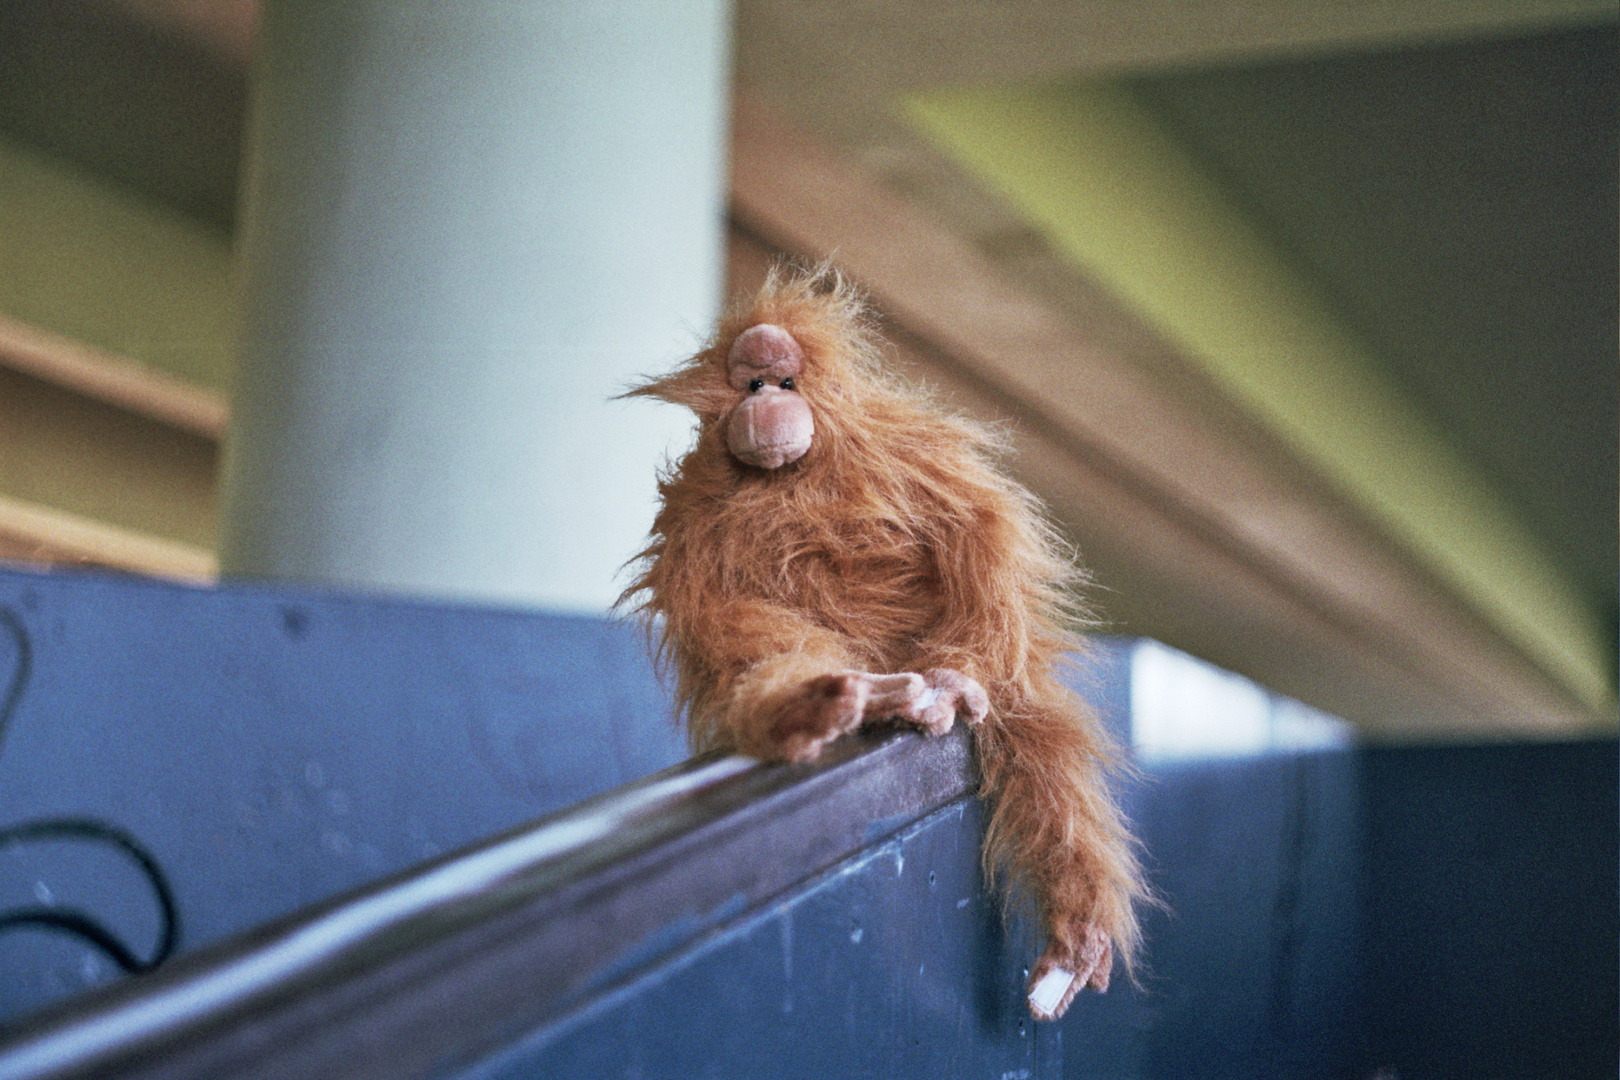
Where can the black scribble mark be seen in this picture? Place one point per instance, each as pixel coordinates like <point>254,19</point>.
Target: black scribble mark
<point>67,920</point>
<point>20,674</point>
<point>82,925</point>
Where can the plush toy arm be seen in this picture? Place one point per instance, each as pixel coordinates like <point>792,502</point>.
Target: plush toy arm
<point>788,686</point>
<point>754,676</point>
<point>724,639</point>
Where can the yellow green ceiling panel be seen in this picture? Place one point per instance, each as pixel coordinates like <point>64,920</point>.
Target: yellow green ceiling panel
<point>1117,196</point>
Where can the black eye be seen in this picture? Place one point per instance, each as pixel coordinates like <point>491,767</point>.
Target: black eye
<point>787,383</point>
<point>755,385</point>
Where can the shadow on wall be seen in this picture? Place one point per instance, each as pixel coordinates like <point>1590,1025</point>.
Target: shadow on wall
<point>1351,911</point>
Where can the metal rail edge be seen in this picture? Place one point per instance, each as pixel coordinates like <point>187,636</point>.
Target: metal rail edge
<point>441,964</point>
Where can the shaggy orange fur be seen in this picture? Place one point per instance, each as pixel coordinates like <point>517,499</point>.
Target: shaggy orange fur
<point>892,546</point>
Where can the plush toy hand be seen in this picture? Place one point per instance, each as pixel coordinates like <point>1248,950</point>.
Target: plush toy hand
<point>932,701</point>
<point>956,696</point>
<point>838,703</point>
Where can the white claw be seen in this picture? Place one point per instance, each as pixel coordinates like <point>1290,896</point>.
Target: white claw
<point>1048,993</point>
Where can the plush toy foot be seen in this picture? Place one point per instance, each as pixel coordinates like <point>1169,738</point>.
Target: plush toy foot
<point>1060,974</point>
<point>828,706</point>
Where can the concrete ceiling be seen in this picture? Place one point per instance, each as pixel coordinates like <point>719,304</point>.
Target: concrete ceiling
<point>1442,173</point>
<point>126,97</point>
<point>848,49</point>
<point>1456,203</point>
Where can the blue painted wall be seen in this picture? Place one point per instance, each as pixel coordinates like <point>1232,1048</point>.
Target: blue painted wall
<point>1430,912</point>
<point>1253,962</point>
<point>1413,913</point>
<point>272,748</point>
<point>895,964</point>
<point>1494,921</point>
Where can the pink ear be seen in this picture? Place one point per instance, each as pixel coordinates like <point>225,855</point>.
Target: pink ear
<point>764,352</point>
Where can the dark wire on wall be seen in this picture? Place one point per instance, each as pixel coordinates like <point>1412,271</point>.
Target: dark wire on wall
<point>67,920</point>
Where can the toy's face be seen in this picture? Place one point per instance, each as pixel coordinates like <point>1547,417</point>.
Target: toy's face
<point>771,426</point>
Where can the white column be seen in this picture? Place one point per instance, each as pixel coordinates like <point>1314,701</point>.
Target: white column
<point>467,225</point>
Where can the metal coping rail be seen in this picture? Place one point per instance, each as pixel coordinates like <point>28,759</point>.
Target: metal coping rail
<point>441,964</point>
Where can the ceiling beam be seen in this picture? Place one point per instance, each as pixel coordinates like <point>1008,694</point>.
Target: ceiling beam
<point>877,48</point>
<point>148,105</point>
<point>113,380</point>
<point>1113,194</point>
<point>99,263</point>
<point>98,459</point>
<point>35,534</point>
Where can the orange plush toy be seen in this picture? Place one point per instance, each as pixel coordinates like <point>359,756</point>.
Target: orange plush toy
<point>834,552</point>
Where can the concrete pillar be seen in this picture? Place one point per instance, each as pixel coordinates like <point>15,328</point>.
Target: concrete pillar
<point>468,224</point>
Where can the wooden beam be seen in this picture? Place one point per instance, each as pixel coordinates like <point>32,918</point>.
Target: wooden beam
<point>43,535</point>
<point>1229,545</point>
<point>113,380</point>
<point>99,461</point>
